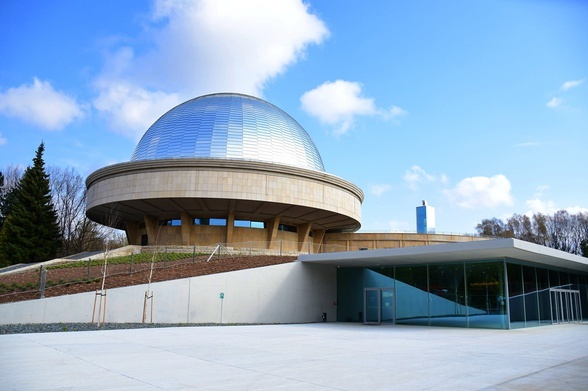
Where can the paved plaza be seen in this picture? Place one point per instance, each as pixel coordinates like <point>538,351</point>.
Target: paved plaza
<point>320,356</point>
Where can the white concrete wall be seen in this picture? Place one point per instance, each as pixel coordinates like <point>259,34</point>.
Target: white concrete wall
<point>287,293</point>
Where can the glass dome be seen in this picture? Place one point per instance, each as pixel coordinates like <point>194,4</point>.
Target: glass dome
<point>229,126</point>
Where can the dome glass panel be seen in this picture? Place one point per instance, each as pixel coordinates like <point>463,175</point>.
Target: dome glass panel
<point>229,126</point>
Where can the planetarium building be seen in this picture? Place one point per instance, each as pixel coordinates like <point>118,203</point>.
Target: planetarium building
<point>225,168</point>
<point>235,170</point>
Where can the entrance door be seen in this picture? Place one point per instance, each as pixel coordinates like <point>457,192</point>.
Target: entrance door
<point>565,305</point>
<point>378,305</point>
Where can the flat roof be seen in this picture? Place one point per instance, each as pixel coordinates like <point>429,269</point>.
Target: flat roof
<point>465,251</point>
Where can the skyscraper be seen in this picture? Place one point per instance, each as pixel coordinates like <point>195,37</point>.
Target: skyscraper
<point>425,215</point>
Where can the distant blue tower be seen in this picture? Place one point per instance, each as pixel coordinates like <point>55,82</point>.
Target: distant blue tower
<point>425,215</point>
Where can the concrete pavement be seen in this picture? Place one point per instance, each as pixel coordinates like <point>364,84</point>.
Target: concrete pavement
<point>321,356</point>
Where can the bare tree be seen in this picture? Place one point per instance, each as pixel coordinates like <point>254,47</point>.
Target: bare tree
<point>9,179</point>
<point>12,175</point>
<point>68,194</point>
<point>79,233</point>
<point>69,199</point>
<point>521,228</point>
<point>540,229</point>
<point>562,230</point>
<point>493,227</point>
<point>559,227</point>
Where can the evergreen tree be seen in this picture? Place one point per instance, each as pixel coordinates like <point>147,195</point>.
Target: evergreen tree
<point>30,232</point>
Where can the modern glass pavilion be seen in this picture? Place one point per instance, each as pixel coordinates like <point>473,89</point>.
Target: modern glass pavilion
<point>503,283</point>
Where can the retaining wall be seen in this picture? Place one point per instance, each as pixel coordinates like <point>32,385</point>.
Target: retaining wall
<point>287,293</point>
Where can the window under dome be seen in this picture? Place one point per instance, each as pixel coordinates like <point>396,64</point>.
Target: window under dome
<point>229,126</point>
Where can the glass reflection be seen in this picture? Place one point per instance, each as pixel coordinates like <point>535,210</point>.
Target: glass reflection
<point>531,297</point>
<point>564,280</point>
<point>486,295</point>
<point>412,298</point>
<point>583,287</point>
<point>554,279</point>
<point>516,300</point>
<point>543,295</point>
<point>447,295</point>
<point>466,294</point>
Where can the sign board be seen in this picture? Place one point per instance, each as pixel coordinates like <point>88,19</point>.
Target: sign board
<point>222,295</point>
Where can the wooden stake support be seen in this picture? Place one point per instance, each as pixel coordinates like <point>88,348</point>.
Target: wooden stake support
<point>101,318</point>
<point>148,301</point>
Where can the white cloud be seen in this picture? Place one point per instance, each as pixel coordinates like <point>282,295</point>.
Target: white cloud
<point>379,189</point>
<point>41,105</point>
<point>571,84</point>
<point>231,44</point>
<point>131,109</point>
<point>576,210</point>
<point>416,175</point>
<point>338,103</point>
<point>207,46</point>
<point>537,205</point>
<point>481,192</point>
<point>3,140</point>
<point>394,112</point>
<point>554,102</point>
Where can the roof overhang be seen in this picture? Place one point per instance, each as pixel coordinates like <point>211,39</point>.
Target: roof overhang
<point>451,252</point>
<point>215,188</point>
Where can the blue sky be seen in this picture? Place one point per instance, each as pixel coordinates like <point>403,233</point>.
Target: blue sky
<point>478,107</point>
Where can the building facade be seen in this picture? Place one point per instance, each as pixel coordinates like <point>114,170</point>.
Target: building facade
<point>225,168</point>
<point>502,283</point>
<point>425,219</point>
<point>234,169</point>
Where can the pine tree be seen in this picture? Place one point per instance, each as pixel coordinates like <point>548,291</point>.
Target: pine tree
<point>30,232</point>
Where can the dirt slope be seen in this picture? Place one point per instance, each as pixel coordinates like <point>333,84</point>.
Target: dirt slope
<point>65,281</point>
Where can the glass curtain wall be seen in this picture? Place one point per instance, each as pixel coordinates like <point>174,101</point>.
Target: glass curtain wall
<point>486,295</point>
<point>543,296</point>
<point>479,294</point>
<point>412,297</point>
<point>463,294</point>
<point>583,287</point>
<point>531,295</point>
<point>516,302</point>
<point>447,295</point>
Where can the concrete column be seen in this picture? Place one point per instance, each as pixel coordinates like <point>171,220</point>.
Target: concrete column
<point>132,231</point>
<point>230,226</point>
<point>303,232</point>
<point>186,228</point>
<point>318,235</point>
<point>272,231</point>
<point>151,228</point>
